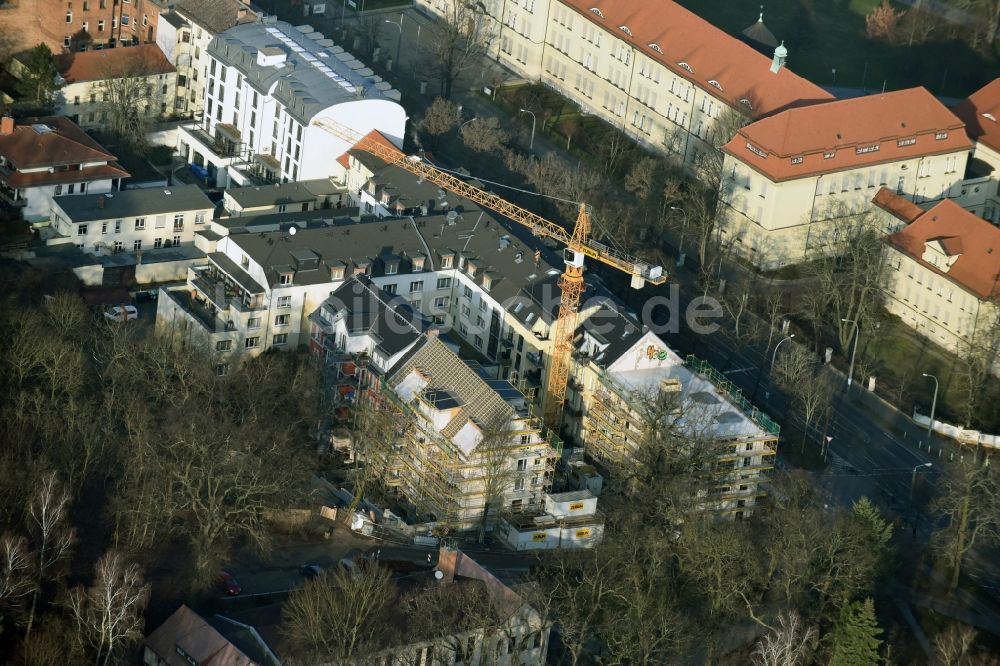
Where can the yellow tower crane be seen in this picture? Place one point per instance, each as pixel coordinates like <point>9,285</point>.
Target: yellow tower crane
<point>578,246</point>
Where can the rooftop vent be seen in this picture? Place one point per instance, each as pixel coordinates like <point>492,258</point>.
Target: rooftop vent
<point>452,217</point>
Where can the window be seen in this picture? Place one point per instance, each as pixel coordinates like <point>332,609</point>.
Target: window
<point>136,245</point>
<point>118,247</point>
<point>285,278</point>
<point>251,342</point>
<point>416,285</point>
<point>157,243</point>
<point>480,322</point>
<point>86,26</point>
<point>390,288</point>
<point>104,227</point>
<point>279,339</point>
<point>140,224</point>
<point>81,230</point>
<point>100,25</point>
<point>66,41</point>
<point>479,341</point>
<point>118,226</point>
<point>441,302</point>
<point>126,19</point>
<point>941,135</point>
<point>444,283</point>
<point>58,190</point>
<point>199,218</point>
<point>522,464</point>
<point>177,240</point>
<point>416,303</point>
<point>223,345</point>
<point>179,222</point>
<point>221,369</point>
<point>253,322</point>
<point>284,301</point>
<point>446,261</point>
<point>69,16</point>
<point>466,311</point>
<point>76,100</point>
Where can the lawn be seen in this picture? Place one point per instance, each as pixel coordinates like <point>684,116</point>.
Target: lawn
<point>827,35</point>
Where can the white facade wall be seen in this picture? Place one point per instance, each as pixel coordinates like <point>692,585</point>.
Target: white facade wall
<point>773,224</point>
<point>39,199</point>
<point>130,234</point>
<point>82,101</point>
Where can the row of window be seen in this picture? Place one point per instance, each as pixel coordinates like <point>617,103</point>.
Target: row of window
<point>140,223</point>
<point>252,342</point>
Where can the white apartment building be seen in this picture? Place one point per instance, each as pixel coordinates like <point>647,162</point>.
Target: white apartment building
<point>943,272</point>
<point>793,180</point>
<point>83,96</point>
<point>184,35</point>
<point>621,365</point>
<point>649,67</point>
<point>981,114</point>
<point>303,195</point>
<point>42,158</point>
<point>269,89</point>
<point>146,219</point>
<point>467,273</point>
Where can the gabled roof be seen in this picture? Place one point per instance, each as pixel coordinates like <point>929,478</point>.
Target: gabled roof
<point>141,60</point>
<point>390,321</point>
<point>712,55</point>
<point>899,207</point>
<point>849,133</point>
<point>981,114</point>
<point>445,371</point>
<point>215,16</point>
<point>50,141</point>
<point>186,631</point>
<point>973,239</point>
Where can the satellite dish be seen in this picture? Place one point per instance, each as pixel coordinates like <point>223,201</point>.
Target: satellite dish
<point>438,575</point>
<point>292,230</point>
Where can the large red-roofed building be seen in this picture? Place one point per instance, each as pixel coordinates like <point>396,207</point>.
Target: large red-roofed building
<point>652,68</point>
<point>795,184</point>
<point>943,272</point>
<point>981,114</point>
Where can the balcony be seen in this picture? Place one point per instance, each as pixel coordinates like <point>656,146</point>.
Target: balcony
<point>220,144</point>
<point>223,292</point>
<point>12,196</point>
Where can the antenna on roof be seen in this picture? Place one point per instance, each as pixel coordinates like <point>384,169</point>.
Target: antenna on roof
<point>883,87</point>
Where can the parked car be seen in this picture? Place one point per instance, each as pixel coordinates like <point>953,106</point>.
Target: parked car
<point>228,584</point>
<point>310,570</point>
<point>121,313</point>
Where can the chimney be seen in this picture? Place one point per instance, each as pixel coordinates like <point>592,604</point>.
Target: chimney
<point>780,56</point>
<point>100,201</point>
<point>6,125</point>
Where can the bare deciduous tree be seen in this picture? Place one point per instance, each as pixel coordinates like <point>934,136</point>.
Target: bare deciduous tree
<point>130,95</point>
<point>50,532</point>
<point>17,579</point>
<point>968,504</point>
<point>810,385</point>
<point>339,614</point>
<point>440,118</point>
<point>494,455</point>
<point>787,644</point>
<point>109,614</point>
<point>484,135</point>
<point>458,43</point>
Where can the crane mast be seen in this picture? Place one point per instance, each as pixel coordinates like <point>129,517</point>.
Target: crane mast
<point>579,245</point>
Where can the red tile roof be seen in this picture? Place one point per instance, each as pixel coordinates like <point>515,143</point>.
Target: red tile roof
<point>981,113</point>
<point>108,171</point>
<point>375,136</point>
<point>901,207</point>
<point>712,54</point>
<point>976,241</point>
<point>107,63</point>
<point>186,630</point>
<point>50,141</point>
<point>849,133</point>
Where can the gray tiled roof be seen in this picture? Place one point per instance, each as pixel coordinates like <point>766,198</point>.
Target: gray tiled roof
<point>280,193</point>
<point>133,203</point>
<point>388,319</point>
<point>215,16</point>
<point>312,78</point>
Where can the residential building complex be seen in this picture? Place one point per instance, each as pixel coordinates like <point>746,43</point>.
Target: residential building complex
<point>622,368</point>
<point>792,181</point>
<point>470,437</point>
<point>269,90</point>
<point>95,91</point>
<point>943,269</point>
<point>981,114</point>
<point>145,219</point>
<point>184,35</point>
<point>79,26</point>
<point>42,158</point>
<point>651,68</point>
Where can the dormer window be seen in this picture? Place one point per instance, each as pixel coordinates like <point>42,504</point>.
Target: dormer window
<point>747,103</point>
<point>447,260</point>
<point>941,135</point>
<point>713,82</point>
<point>391,267</point>
<point>336,272</point>
<point>624,28</point>
<point>487,282</point>
<point>418,264</point>
<point>685,66</point>
<point>284,278</point>
<point>597,11</point>
<point>829,155</point>
<point>656,47</point>
<point>797,160</point>
<point>472,269</point>
<point>906,142</point>
<point>371,187</point>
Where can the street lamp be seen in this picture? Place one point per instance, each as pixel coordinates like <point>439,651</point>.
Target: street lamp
<point>775,354</point>
<point>531,144</point>
<point>930,424</point>
<point>854,350</point>
<point>399,41</point>
<point>684,224</point>
<point>913,481</point>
